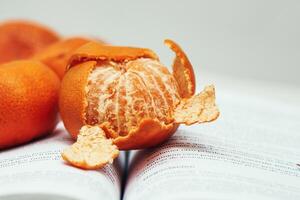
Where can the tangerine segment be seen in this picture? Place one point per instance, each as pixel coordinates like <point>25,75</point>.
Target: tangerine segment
<point>197,109</point>
<point>99,52</point>
<point>182,71</point>
<point>92,150</point>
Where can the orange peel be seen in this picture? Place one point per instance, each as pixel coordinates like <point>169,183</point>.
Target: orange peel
<point>97,52</point>
<point>197,109</point>
<point>182,70</point>
<point>92,149</point>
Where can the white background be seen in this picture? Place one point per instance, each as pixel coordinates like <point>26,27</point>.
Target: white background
<point>241,39</point>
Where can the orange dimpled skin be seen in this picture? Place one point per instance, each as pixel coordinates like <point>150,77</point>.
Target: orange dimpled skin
<point>57,55</point>
<point>72,101</point>
<point>28,105</point>
<point>131,96</point>
<point>22,39</point>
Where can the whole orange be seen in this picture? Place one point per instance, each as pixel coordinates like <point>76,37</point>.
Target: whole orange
<point>28,103</point>
<point>57,55</point>
<point>22,39</point>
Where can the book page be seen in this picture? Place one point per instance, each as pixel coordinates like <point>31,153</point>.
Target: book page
<point>250,152</point>
<point>37,171</point>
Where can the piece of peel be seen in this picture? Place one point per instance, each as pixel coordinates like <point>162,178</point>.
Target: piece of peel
<point>92,150</point>
<point>95,51</point>
<point>182,71</point>
<point>197,109</point>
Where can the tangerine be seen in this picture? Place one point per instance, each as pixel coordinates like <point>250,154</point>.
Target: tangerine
<point>22,39</point>
<point>28,105</point>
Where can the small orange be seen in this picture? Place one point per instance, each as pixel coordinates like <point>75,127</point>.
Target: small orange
<point>57,55</point>
<point>131,96</point>
<point>22,39</point>
<point>28,104</point>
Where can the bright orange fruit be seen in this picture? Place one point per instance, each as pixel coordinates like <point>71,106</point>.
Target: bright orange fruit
<point>57,55</point>
<point>28,104</point>
<point>131,96</point>
<point>22,39</point>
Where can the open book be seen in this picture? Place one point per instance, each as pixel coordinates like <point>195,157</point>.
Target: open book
<point>250,152</point>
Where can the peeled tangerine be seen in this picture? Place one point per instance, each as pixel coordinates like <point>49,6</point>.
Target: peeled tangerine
<point>122,98</point>
<point>28,104</point>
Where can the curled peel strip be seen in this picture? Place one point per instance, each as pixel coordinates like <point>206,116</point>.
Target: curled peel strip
<point>182,70</point>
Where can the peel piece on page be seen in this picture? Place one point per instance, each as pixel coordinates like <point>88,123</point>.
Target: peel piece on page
<point>197,109</point>
<point>92,149</point>
<point>182,71</point>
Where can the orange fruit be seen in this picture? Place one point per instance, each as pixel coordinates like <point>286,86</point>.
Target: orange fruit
<point>22,39</point>
<point>57,55</point>
<point>131,96</point>
<point>28,105</point>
